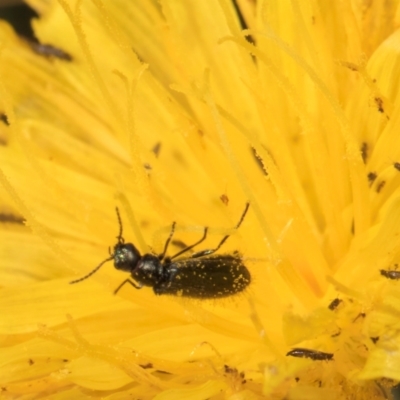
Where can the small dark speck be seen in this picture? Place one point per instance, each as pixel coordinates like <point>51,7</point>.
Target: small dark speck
<point>224,198</point>
<point>390,274</point>
<point>146,366</point>
<point>397,166</point>
<point>336,334</point>
<point>380,186</point>
<point>11,219</point>
<point>163,372</point>
<point>371,177</point>
<point>361,315</point>
<point>139,56</point>
<point>350,66</point>
<point>178,157</point>
<point>65,360</point>
<point>258,160</point>
<point>50,51</point>
<point>179,243</point>
<point>242,21</point>
<point>364,152</point>
<point>4,389</point>
<point>312,354</point>
<point>4,119</point>
<point>156,149</point>
<point>379,103</point>
<point>374,339</point>
<point>334,304</point>
<point>147,166</point>
<point>229,369</point>
<point>235,373</point>
<point>31,362</point>
<point>297,379</point>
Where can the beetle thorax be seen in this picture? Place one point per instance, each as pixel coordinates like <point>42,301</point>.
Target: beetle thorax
<point>149,270</point>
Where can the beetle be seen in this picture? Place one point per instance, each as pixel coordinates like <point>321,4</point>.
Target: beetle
<point>202,275</point>
<point>312,354</point>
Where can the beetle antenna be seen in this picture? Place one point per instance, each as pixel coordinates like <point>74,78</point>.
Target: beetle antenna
<point>162,256</point>
<point>120,241</point>
<point>119,237</point>
<point>225,238</point>
<point>92,272</point>
<point>246,208</point>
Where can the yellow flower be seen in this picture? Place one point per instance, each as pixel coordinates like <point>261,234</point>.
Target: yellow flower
<point>185,111</point>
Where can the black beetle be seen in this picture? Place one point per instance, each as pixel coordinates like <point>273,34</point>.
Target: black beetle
<point>203,275</point>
